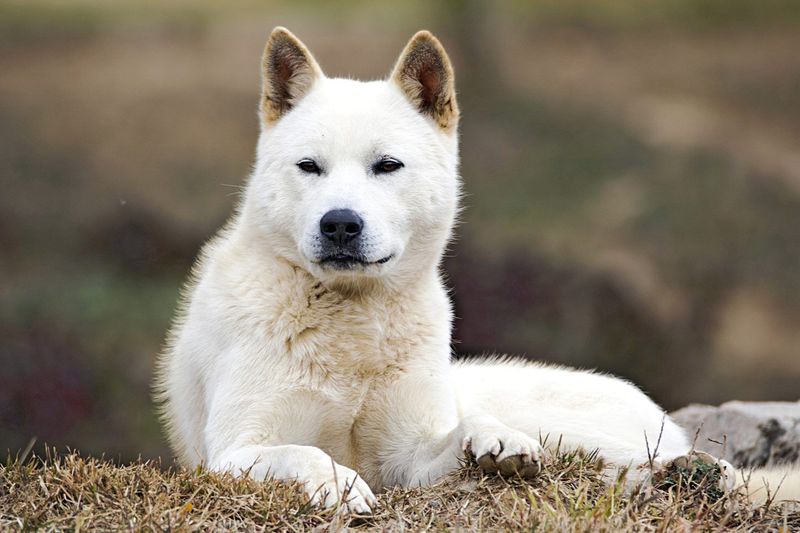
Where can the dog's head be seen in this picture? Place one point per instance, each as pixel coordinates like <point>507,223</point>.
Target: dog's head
<point>356,180</point>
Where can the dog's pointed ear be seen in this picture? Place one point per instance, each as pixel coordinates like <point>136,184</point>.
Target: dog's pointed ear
<point>288,72</point>
<point>425,75</point>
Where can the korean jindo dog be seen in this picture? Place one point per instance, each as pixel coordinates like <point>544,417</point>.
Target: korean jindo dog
<point>313,342</point>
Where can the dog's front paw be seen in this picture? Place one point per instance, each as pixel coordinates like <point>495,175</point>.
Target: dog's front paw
<point>504,450</point>
<point>338,485</point>
<point>327,483</point>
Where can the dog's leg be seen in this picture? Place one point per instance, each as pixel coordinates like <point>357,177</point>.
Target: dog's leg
<point>495,446</point>
<point>573,409</point>
<point>415,433</point>
<point>327,483</point>
<point>257,429</point>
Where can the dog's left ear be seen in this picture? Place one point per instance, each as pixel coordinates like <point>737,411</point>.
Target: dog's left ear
<point>425,75</point>
<point>289,72</point>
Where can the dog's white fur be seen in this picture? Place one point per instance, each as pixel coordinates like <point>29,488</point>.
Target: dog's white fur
<point>341,378</point>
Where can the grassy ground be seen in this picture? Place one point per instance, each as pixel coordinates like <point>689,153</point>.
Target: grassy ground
<point>72,492</point>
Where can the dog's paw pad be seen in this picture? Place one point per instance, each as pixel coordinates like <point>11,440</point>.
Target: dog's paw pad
<point>487,463</point>
<point>521,465</point>
<point>511,453</point>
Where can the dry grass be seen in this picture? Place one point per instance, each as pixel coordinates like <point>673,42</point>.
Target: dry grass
<point>72,492</point>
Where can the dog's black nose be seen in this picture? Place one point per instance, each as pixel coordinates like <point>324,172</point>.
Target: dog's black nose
<point>341,225</point>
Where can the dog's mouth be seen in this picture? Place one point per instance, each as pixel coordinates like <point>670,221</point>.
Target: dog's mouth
<point>344,261</point>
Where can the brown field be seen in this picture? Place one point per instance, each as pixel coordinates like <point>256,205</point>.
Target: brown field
<point>71,492</point>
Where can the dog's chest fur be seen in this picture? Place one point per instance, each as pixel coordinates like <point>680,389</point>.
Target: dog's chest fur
<point>334,351</point>
<point>335,336</point>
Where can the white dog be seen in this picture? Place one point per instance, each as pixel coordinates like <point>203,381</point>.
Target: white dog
<point>314,338</point>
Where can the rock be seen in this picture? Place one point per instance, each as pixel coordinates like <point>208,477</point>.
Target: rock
<point>748,434</point>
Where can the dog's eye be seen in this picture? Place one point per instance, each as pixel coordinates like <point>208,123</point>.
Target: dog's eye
<point>387,165</point>
<point>309,166</point>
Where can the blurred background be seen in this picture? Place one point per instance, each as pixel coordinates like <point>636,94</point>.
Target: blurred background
<point>632,172</point>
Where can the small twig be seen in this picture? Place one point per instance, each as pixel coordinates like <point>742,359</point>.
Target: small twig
<point>27,450</point>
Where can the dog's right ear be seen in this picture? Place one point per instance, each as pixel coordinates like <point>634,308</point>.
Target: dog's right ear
<point>288,72</point>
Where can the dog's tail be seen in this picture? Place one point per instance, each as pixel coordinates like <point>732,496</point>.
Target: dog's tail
<point>771,484</point>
